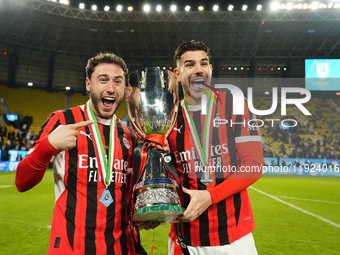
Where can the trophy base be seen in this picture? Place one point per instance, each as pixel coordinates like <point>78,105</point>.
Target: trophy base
<point>165,214</point>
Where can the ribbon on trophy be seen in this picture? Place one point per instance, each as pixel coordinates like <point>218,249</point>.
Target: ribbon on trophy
<point>153,147</point>
<point>157,141</point>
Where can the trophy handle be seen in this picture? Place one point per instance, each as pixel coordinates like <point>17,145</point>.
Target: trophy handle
<point>136,126</point>
<point>172,120</point>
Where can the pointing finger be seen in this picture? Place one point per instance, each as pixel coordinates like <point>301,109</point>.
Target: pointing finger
<point>81,124</point>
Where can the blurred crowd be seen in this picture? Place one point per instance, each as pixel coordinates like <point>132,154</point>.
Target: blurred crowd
<point>292,145</point>
<point>14,140</point>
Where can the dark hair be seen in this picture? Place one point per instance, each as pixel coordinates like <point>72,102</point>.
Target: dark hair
<point>133,79</point>
<point>193,45</point>
<point>105,58</point>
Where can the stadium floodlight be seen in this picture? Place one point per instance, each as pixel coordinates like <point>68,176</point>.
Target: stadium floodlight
<point>173,8</point>
<point>305,6</point>
<point>30,84</point>
<point>146,8</point>
<point>81,6</point>
<point>94,7</point>
<point>200,8</point>
<point>336,6</point>
<point>67,88</point>
<point>282,6</point>
<point>266,93</point>
<point>187,8</point>
<point>289,6</point>
<point>235,68</point>
<point>299,6</point>
<point>244,7</point>
<point>158,8</point>
<point>229,68</point>
<point>330,5</point>
<point>274,6</point>
<point>130,8</point>
<point>119,8</point>
<point>54,1</point>
<point>65,2</point>
<point>241,68</point>
<point>106,8</point>
<point>314,5</point>
<point>230,7</point>
<point>215,8</point>
<point>322,6</point>
<point>259,7</point>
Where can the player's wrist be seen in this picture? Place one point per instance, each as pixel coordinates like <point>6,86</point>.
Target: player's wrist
<point>42,154</point>
<point>47,147</point>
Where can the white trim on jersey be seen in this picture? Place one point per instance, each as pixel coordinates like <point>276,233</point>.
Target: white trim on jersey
<point>243,246</point>
<point>59,174</point>
<point>251,138</point>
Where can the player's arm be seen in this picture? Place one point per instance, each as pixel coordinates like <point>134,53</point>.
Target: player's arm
<point>249,149</point>
<point>31,169</point>
<point>252,159</point>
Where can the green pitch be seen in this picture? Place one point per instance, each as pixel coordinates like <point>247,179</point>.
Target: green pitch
<point>293,216</point>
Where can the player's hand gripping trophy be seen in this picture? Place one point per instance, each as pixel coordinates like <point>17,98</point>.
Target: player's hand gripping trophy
<point>152,111</point>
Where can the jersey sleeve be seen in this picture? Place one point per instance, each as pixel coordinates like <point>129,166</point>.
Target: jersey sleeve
<point>248,146</point>
<point>31,169</point>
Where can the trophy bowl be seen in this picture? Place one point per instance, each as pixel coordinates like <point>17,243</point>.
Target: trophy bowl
<point>152,109</point>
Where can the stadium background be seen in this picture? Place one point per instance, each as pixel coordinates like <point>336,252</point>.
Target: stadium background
<point>44,46</point>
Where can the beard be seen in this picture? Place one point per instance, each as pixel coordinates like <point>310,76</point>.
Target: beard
<point>96,102</point>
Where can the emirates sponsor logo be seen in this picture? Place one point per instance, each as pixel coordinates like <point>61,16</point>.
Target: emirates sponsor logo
<point>84,161</point>
<point>216,150</point>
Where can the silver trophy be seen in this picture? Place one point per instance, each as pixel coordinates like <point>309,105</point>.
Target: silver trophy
<point>152,109</point>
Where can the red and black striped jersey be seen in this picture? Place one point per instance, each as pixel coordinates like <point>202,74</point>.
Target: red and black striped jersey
<point>81,224</point>
<point>228,220</point>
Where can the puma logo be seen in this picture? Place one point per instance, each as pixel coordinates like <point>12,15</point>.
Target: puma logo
<point>88,135</point>
<point>178,129</point>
